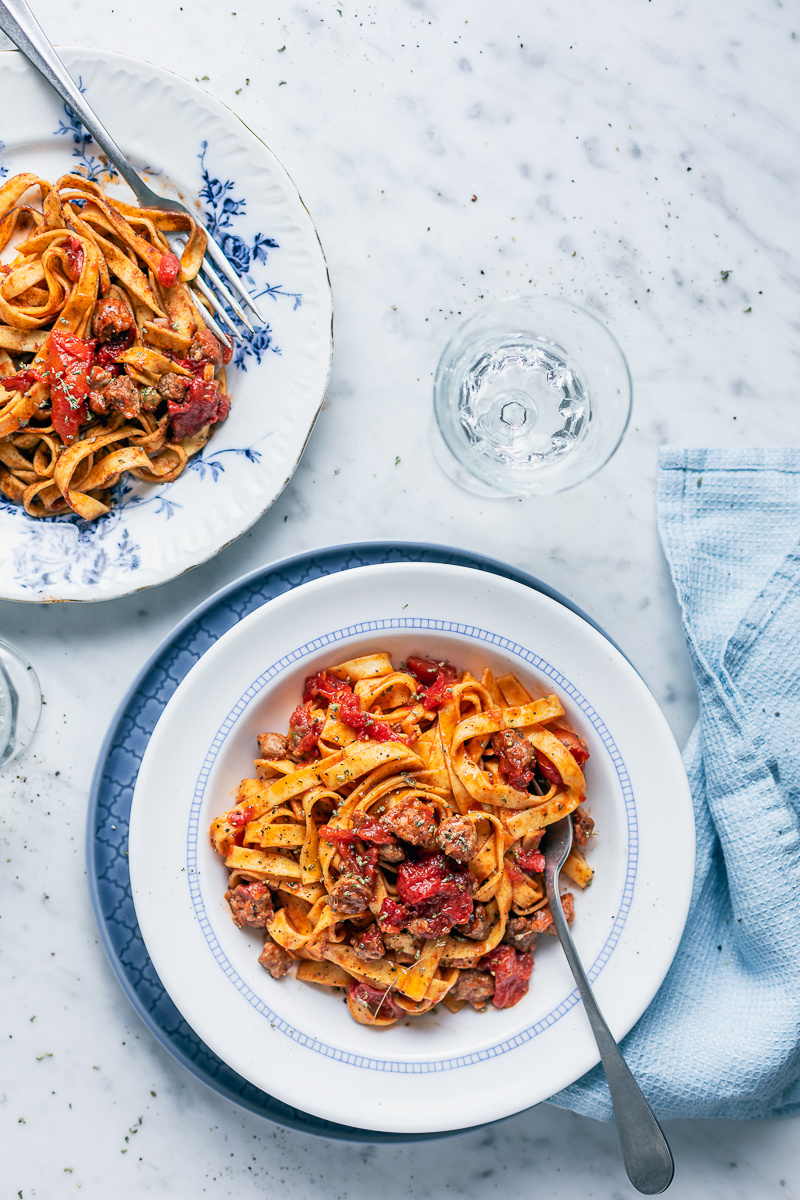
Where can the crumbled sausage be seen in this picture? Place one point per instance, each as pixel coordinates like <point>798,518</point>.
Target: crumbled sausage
<point>404,946</point>
<point>123,394</point>
<point>251,904</point>
<point>429,925</point>
<point>478,926</point>
<point>520,935</point>
<point>99,377</point>
<point>368,944</point>
<point>272,745</point>
<point>582,827</point>
<point>512,744</point>
<point>99,380</point>
<point>98,403</point>
<point>171,386</point>
<point>274,958</point>
<point>516,754</point>
<point>350,894</point>
<point>477,987</point>
<point>457,837</point>
<point>519,930</point>
<point>205,345</point>
<point>391,854</point>
<point>413,822</point>
<point>111,318</point>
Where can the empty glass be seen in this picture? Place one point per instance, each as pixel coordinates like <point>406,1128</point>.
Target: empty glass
<point>532,395</point>
<point>20,703</point>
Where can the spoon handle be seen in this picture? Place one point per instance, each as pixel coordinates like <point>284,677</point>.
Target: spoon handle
<point>645,1152</point>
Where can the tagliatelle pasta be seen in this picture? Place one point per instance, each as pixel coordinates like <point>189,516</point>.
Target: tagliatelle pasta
<point>389,844</point>
<point>106,364</point>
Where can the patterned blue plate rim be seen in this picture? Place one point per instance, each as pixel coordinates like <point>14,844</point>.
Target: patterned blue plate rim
<point>112,792</point>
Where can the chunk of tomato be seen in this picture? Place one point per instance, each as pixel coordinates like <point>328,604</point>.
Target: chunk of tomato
<point>512,972</point>
<point>69,360</point>
<point>168,269</point>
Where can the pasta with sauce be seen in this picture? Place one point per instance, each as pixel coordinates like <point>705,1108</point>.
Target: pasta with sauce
<point>106,363</point>
<point>389,844</point>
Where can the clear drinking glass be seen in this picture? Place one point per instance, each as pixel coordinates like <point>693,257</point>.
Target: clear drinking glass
<point>20,702</point>
<point>532,395</point>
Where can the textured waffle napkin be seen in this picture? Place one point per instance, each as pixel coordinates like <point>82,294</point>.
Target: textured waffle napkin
<point>722,1037</point>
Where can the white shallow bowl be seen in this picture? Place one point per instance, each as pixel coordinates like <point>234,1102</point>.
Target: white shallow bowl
<point>190,146</point>
<point>299,1042</point>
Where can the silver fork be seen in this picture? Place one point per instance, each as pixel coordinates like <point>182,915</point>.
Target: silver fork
<point>645,1151</point>
<point>20,25</point>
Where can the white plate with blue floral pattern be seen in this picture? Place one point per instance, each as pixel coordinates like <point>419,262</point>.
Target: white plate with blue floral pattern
<point>296,1041</point>
<point>188,145</point>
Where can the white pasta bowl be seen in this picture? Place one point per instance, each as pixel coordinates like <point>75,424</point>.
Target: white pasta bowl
<point>297,1041</point>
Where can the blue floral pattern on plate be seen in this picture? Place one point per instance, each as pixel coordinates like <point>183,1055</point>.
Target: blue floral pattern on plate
<point>221,210</point>
<point>66,550</point>
<point>89,164</point>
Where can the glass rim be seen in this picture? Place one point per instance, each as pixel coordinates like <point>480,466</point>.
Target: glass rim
<point>542,480</point>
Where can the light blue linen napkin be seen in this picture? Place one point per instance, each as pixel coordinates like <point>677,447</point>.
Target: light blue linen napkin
<point>722,1037</point>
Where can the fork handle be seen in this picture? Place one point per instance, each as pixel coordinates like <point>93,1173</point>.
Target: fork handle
<point>20,25</point>
<point>645,1151</point>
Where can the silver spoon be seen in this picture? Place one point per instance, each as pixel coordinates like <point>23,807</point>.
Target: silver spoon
<point>645,1153</point>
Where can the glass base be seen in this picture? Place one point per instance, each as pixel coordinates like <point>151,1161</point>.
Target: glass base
<point>455,471</point>
<point>20,703</point>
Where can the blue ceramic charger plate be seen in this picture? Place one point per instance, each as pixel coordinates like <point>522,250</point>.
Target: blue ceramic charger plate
<point>115,778</point>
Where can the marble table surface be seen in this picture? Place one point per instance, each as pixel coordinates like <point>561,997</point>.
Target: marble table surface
<point>640,159</point>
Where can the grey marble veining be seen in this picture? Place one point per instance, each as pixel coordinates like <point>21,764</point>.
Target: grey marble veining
<point>641,159</point>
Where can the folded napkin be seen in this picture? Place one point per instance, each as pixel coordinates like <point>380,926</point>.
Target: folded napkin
<point>722,1037</point>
